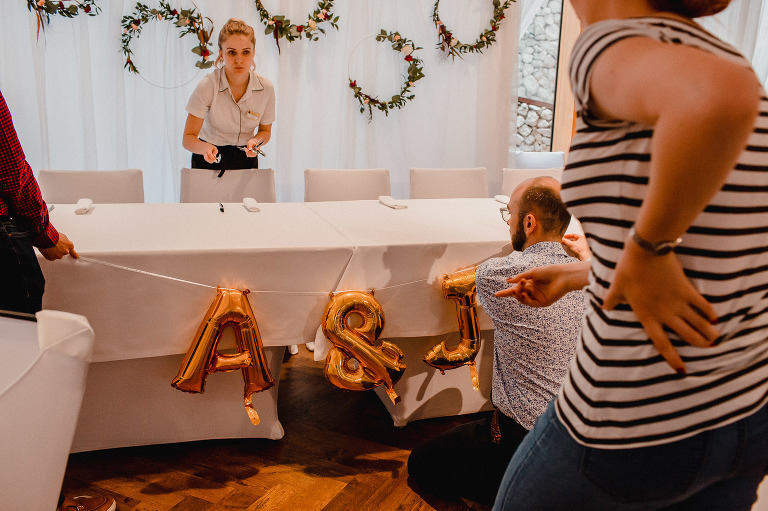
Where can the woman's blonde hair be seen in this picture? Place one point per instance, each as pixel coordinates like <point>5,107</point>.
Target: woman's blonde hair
<point>234,26</point>
<point>691,8</point>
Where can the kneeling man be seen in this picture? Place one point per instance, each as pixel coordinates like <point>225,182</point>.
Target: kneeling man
<point>533,348</point>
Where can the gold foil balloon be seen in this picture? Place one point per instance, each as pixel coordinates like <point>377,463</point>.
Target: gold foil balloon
<point>358,360</point>
<point>229,308</point>
<point>460,286</point>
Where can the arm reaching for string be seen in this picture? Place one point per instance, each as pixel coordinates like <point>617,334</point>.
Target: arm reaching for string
<point>543,286</point>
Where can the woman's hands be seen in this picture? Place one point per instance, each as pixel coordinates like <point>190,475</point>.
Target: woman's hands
<point>661,295</point>
<point>259,139</point>
<point>211,153</point>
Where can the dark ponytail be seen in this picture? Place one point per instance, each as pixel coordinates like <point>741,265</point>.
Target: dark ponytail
<point>691,8</point>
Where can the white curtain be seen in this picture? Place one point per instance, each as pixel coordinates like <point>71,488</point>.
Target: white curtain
<point>75,107</point>
<point>745,25</point>
<point>528,10</point>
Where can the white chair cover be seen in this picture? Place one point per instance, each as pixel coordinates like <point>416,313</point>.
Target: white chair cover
<point>449,183</point>
<point>510,178</point>
<point>204,185</point>
<point>42,379</point>
<point>539,160</point>
<point>321,185</point>
<point>102,186</point>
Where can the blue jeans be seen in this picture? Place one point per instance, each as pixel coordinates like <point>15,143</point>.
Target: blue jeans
<point>21,280</point>
<point>717,469</point>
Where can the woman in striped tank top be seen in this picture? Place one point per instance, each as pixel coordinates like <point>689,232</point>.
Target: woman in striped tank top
<point>664,406</point>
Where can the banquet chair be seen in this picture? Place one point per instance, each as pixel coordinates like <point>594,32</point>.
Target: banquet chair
<point>101,186</point>
<point>449,183</point>
<point>322,185</point>
<point>510,178</point>
<point>204,185</point>
<point>43,365</point>
<point>539,160</point>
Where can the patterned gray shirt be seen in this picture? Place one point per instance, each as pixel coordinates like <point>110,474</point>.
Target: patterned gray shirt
<point>533,346</point>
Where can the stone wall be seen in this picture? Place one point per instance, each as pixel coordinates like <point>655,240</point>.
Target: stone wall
<point>537,75</point>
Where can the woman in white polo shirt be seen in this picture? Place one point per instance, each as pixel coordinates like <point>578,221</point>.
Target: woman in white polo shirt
<point>232,109</point>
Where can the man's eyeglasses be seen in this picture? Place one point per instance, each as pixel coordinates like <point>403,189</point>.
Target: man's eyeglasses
<point>505,214</point>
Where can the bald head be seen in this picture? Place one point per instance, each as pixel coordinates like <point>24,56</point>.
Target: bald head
<point>539,197</point>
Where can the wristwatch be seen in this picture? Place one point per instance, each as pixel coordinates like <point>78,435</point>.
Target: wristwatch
<point>660,248</point>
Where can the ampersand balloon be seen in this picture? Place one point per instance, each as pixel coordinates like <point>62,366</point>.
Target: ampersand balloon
<point>229,308</point>
<point>460,286</point>
<point>358,360</point>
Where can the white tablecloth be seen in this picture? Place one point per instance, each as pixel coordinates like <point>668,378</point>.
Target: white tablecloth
<point>285,254</point>
<point>402,254</point>
<point>291,256</point>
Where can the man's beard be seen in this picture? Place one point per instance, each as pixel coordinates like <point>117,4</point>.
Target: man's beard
<point>518,237</point>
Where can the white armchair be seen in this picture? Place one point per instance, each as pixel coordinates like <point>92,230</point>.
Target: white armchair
<point>449,183</point>
<point>345,184</point>
<point>204,185</point>
<point>43,366</point>
<point>101,186</point>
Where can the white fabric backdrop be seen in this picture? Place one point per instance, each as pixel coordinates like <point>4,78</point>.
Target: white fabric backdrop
<point>745,25</point>
<point>75,107</point>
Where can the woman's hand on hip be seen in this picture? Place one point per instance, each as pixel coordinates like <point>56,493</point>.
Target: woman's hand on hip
<point>662,296</point>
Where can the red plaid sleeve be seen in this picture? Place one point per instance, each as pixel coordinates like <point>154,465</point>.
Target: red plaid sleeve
<point>19,192</point>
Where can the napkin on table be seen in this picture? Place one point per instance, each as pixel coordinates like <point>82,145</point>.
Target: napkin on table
<point>391,202</point>
<point>251,205</point>
<point>83,206</point>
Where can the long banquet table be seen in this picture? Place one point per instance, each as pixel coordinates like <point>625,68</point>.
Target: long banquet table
<point>291,256</point>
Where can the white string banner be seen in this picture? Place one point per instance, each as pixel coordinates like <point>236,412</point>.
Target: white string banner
<point>184,281</point>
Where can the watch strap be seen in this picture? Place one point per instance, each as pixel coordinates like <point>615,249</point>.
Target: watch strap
<point>660,248</point>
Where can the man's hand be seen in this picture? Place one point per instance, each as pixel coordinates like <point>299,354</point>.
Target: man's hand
<point>575,245</point>
<point>60,249</point>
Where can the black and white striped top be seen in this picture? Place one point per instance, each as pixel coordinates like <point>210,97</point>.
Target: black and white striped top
<point>620,392</point>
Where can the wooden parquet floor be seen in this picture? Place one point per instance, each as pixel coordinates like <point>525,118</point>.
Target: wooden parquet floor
<point>340,452</point>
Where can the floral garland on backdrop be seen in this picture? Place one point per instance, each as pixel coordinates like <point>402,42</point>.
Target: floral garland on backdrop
<point>455,47</point>
<point>43,9</point>
<point>279,26</point>
<point>189,21</point>
<point>415,73</point>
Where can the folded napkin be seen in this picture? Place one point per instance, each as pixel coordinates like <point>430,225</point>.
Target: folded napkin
<point>83,206</point>
<point>251,205</point>
<point>504,199</point>
<point>390,202</point>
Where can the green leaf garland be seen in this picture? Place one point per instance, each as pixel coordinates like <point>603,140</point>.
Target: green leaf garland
<point>454,47</point>
<point>415,73</point>
<point>44,9</point>
<point>187,20</point>
<point>280,26</point>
